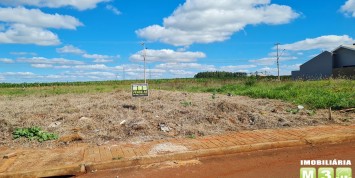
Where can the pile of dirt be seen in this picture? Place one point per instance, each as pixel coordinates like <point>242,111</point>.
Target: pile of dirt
<point>117,117</point>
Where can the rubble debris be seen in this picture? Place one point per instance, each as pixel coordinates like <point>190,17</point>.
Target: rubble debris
<point>123,122</point>
<point>10,155</point>
<point>167,148</point>
<point>300,107</point>
<point>164,127</point>
<point>129,106</point>
<point>54,124</point>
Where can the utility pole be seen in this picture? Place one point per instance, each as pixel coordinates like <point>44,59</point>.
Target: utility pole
<point>277,61</point>
<point>144,56</point>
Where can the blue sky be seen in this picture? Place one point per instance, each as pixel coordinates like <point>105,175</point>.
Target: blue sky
<point>85,40</point>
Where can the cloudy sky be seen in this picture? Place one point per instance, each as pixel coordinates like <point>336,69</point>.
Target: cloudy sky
<point>83,40</point>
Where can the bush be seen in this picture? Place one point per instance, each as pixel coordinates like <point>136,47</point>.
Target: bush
<point>34,133</point>
<point>251,81</point>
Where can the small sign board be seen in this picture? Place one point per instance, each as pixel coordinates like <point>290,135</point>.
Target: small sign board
<point>139,90</point>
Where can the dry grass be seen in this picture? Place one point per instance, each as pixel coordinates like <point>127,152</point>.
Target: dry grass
<point>97,118</point>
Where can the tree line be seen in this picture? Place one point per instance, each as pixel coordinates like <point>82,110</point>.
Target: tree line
<point>220,74</point>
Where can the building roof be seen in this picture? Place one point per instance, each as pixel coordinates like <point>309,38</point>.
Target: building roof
<point>350,47</point>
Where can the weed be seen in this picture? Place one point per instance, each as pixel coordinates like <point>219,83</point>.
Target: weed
<point>34,133</point>
<point>321,94</point>
<point>186,103</point>
<point>311,112</point>
<point>251,81</point>
<point>347,119</point>
<point>293,111</point>
<point>214,95</point>
<point>192,136</point>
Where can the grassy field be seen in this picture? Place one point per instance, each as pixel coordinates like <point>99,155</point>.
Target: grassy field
<point>337,94</point>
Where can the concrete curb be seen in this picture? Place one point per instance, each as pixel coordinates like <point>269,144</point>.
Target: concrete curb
<point>146,160</point>
<point>60,171</point>
<point>151,159</point>
<point>330,139</point>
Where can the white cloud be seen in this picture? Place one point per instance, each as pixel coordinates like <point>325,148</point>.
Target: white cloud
<point>70,49</point>
<point>113,9</point>
<point>284,69</point>
<point>243,70</point>
<point>313,55</point>
<point>101,75</point>
<point>42,60</point>
<point>102,60</point>
<point>23,53</point>
<point>268,69</point>
<point>134,71</point>
<point>62,67</point>
<point>281,53</point>
<point>17,74</point>
<point>98,58</point>
<point>237,68</point>
<point>207,21</point>
<point>29,26</point>
<point>76,67</point>
<point>179,66</point>
<point>36,18</point>
<point>156,70</point>
<point>349,8</point>
<point>6,60</point>
<point>92,67</point>
<point>291,67</point>
<point>167,55</point>
<point>42,65</point>
<point>22,34</point>
<point>65,76</point>
<point>182,73</point>
<point>129,67</point>
<point>323,43</point>
<point>78,4</point>
<point>271,60</point>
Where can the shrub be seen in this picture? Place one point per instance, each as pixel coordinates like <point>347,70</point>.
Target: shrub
<point>34,133</point>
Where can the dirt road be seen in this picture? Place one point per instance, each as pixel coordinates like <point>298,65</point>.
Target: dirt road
<point>267,164</point>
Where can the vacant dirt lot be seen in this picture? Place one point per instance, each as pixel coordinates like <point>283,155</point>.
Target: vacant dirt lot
<point>117,117</point>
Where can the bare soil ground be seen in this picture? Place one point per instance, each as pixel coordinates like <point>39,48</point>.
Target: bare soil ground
<point>117,117</point>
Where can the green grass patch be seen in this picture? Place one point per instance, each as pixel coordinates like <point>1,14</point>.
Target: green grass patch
<point>192,136</point>
<point>34,133</point>
<point>337,94</point>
